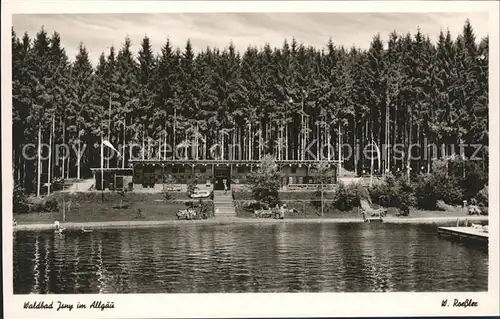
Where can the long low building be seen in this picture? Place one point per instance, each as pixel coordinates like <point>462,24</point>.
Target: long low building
<point>150,173</point>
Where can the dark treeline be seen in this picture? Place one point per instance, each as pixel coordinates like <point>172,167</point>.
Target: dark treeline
<point>264,100</point>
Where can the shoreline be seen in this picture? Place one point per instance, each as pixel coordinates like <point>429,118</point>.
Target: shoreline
<point>238,220</point>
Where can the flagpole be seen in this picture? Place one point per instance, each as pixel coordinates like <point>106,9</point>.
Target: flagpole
<point>124,137</point>
<point>371,161</point>
<point>102,167</point>
<point>109,127</point>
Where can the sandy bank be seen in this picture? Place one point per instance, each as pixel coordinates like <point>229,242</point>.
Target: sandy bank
<point>236,220</point>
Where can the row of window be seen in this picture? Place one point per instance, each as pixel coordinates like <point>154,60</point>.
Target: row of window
<point>202,170</point>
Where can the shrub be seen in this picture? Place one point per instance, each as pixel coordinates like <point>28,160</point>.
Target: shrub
<point>387,193</point>
<point>50,205</point>
<point>482,196</point>
<point>406,198</point>
<point>169,179</point>
<point>457,179</point>
<point>266,181</point>
<point>168,196</point>
<point>473,179</point>
<point>207,207</point>
<point>242,195</point>
<point>191,185</point>
<point>449,190</point>
<point>426,192</point>
<point>19,200</point>
<point>348,197</point>
<point>255,206</point>
<point>436,186</point>
<point>394,192</point>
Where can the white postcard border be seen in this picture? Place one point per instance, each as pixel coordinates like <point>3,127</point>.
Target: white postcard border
<point>251,305</point>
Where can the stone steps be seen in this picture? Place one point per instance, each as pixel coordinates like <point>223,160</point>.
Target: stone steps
<point>223,204</point>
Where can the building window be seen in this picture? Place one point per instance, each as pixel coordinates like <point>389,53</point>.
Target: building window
<point>203,170</point>
<point>294,169</point>
<point>241,170</point>
<point>178,170</point>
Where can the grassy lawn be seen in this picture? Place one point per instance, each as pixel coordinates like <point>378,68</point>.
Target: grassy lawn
<point>307,210</point>
<point>90,207</point>
<point>94,212</point>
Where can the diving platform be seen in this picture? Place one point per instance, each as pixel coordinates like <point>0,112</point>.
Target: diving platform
<point>466,234</point>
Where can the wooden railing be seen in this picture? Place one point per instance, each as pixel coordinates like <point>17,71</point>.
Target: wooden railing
<point>293,187</point>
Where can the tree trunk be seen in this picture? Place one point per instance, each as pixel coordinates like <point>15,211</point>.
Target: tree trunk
<point>39,163</point>
<point>250,140</point>
<point>175,124</point>
<point>49,168</point>
<point>79,156</point>
<point>395,136</point>
<point>419,155</point>
<point>69,165</point>
<point>222,144</point>
<point>387,137</point>
<point>64,143</point>
<point>329,142</point>
<point>340,149</point>
<point>286,141</point>
<point>371,154</point>
<point>165,141</point>
<point>355,142</point>
<point>109,130</point>
<point>301,132</point>
<point>143,145</point>
<point>124,141</point>
<point>408,163</point>
<point>430,154</point>
<point>260,140</point>
<point>233,143</point>
<point>318,134</point>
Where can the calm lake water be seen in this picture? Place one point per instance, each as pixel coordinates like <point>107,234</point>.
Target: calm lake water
<point>247,258</point>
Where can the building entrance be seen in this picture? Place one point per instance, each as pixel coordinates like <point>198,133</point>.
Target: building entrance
<point>222,175</point>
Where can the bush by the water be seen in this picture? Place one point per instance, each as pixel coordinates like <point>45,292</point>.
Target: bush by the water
<point>430,188</point>
<point>19,200</point>
<point>394,192</point>
<point>51,205</point>
<point>450,182</point>
<point>406,198</point>
<point>24,204</point>
<point>472,178</point>
<point>388,193</point>
<point>482,197</point>
<point>208,208</point>
<point>347,197</point>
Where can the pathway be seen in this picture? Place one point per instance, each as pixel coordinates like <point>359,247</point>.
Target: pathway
<point>223,204</point>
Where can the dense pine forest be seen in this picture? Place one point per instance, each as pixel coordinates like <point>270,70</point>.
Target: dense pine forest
<point>284,101</point>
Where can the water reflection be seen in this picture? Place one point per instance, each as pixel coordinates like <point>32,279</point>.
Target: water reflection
<point>247,258</point>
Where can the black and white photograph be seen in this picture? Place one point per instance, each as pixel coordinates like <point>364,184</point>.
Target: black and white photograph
<point>179,153</point>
